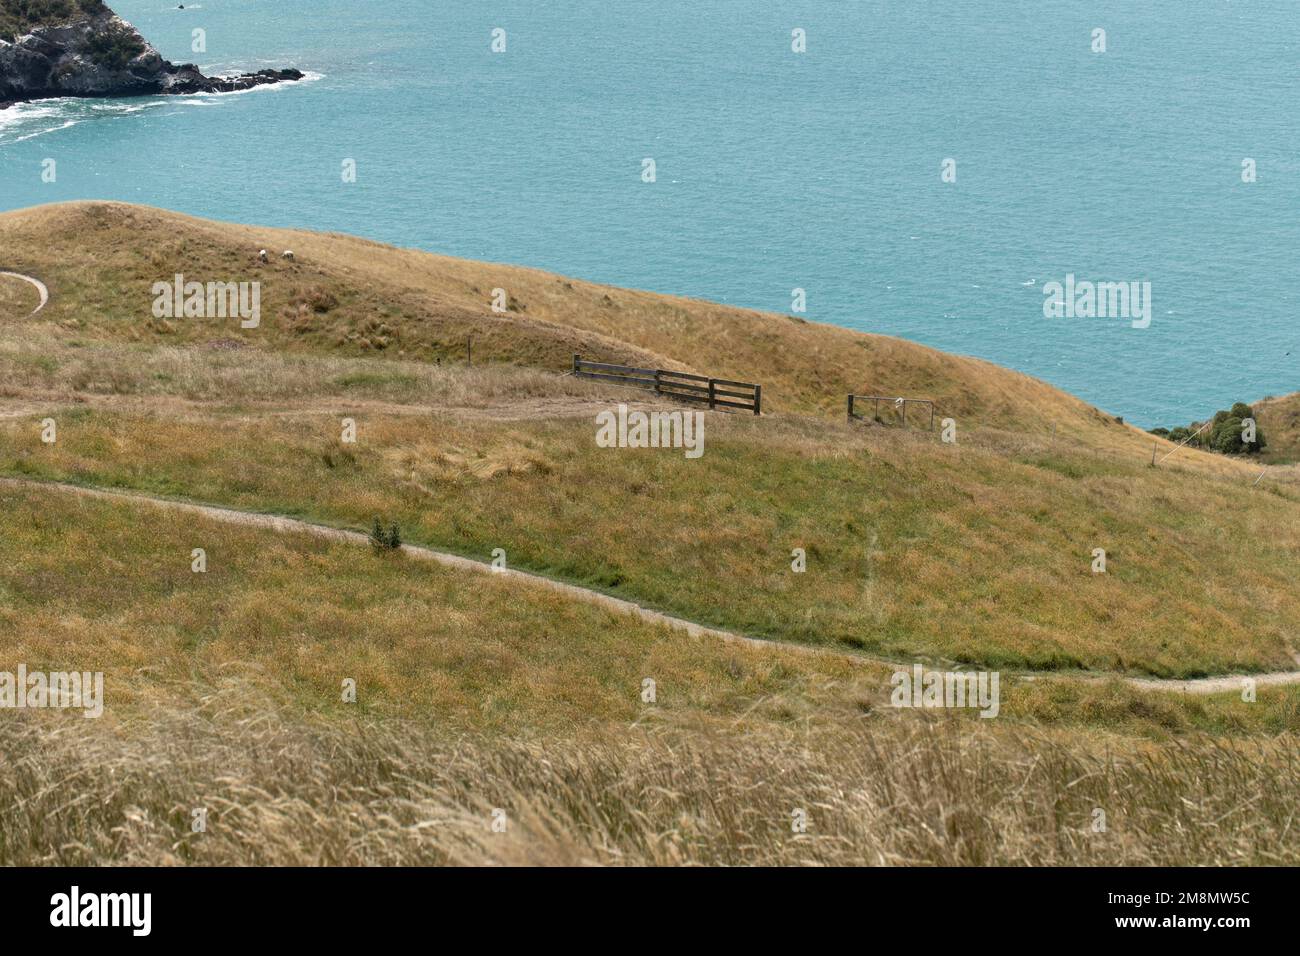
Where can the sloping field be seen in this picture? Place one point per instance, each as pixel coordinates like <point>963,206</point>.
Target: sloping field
<point>978,555</point>
<point>1279,419</point>
<point>350,297</point>
<point>476,693</point>
<point>222,691</point>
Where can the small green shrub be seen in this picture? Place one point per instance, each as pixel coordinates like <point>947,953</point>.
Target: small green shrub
<point>20,17</point>
<point>113,48</point>
<point>382,540</point>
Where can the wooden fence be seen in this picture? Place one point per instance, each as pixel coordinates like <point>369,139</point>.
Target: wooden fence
<point>899,404</point>
<point>714,392</point>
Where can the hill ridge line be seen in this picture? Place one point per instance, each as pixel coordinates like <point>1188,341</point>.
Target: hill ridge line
<point>279,523</point>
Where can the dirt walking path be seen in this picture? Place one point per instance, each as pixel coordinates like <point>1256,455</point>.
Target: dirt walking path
<point>40,287</point>
<point>529,408</point>
<point>1206,685</point>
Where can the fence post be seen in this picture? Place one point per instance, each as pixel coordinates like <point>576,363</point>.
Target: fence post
<point>712,398</point>
<point>850,409</point>
<point>658,372</point>
<point>469,350</point>
<point>1154,449</point>
<point>575,363</point>
<point>758,399</point>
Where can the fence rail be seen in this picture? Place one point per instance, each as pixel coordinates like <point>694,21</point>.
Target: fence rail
<point>684,386</point>
<point>899,404</point>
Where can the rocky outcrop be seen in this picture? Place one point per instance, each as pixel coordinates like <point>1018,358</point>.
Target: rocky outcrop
<point>102,55</point>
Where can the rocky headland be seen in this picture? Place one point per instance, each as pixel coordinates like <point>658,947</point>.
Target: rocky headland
<point>52,48</point>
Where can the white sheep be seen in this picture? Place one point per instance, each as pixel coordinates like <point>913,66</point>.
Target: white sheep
<point>287,255</point>
<point>264,256</point>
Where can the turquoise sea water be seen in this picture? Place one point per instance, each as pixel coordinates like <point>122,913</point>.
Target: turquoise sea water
<point>776,171</point>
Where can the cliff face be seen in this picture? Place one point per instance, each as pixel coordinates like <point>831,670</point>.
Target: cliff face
<point>94,52</point>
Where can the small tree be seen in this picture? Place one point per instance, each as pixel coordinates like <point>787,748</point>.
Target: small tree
<point>1227,435</point>
<point>1223,433</point>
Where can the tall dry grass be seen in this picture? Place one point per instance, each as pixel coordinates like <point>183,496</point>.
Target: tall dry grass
<point>38,364</point>
<point>888,791</point>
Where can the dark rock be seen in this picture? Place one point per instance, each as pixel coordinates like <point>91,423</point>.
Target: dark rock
<point>101,55</point>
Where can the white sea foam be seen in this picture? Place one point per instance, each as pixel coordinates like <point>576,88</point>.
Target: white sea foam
<point>25,121</point>
<point>214,99</point>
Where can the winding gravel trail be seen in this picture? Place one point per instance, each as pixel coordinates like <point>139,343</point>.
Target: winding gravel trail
<point>1224,683</point>
<point>40,287</point>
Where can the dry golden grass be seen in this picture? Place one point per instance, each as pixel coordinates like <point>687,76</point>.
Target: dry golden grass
<point>107,586</point>
<point>882,791</point>
<point>1279,420</point>
<point>17,298</point>
<point>39,365</point>
<point>354,298</point>
<point>476,693</point>
<point>975,554</point>
<point>222,692</point>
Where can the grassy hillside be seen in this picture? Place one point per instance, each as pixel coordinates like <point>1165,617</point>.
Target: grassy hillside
<point>222,690</point>
<point>293,616</point>
<point>1279,418</point>
<point>288,791</point>
<point>288,616</point>
<point>900,534</point>
<point>476,692</point>
<point>992,537</point>
<point>349,297</point>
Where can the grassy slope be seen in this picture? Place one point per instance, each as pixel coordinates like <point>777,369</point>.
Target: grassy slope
<point>221,691</point>
<point>1279,419</point>
<point>223,686</point>
<point>294,615</point>
<point>977,554</point>
<point>282,790</point>
<point>346,296</point>
<point>290,616</point>
<point>972,554</point>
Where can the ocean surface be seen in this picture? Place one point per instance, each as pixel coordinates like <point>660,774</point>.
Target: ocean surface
<point>775,170</point>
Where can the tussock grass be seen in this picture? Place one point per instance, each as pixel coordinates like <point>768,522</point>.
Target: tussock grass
<point>41,365</point>
<point>881,792</point>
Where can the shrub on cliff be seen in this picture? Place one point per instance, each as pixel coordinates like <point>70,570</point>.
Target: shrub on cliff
<point>114,47</point>
<point>19,17</point>
<point>1225,434</point>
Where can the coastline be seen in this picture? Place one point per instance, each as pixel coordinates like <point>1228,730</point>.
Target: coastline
<point>99,55</point>
<point>286,76</point>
